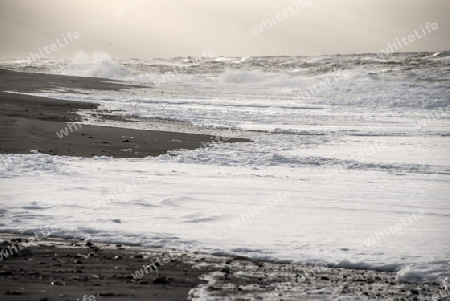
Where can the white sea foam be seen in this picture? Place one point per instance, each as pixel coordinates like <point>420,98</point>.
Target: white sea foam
<point>95,65</point>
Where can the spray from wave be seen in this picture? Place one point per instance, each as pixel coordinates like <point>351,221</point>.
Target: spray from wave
<point>96,64</point>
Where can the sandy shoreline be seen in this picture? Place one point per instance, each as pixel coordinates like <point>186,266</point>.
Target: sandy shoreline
<point>68,269</point>
<point>32,123</point>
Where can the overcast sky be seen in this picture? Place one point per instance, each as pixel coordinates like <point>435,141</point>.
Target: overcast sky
<point>168,28</point>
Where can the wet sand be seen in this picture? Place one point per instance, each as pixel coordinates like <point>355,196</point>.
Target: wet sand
<point>68,269</point>
<point>32,123</point>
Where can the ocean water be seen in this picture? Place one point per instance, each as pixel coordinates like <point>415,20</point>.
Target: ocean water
<point>349,163</point>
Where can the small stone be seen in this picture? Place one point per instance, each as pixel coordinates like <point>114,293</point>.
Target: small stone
<point>161,280</point>
<point>6,273</point>
<point>104,294</point>
<point>241,258</point>
<point>25,253</point>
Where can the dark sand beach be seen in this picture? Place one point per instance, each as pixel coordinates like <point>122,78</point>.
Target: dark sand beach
<point>31,123</point>
<point>68,269</point>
